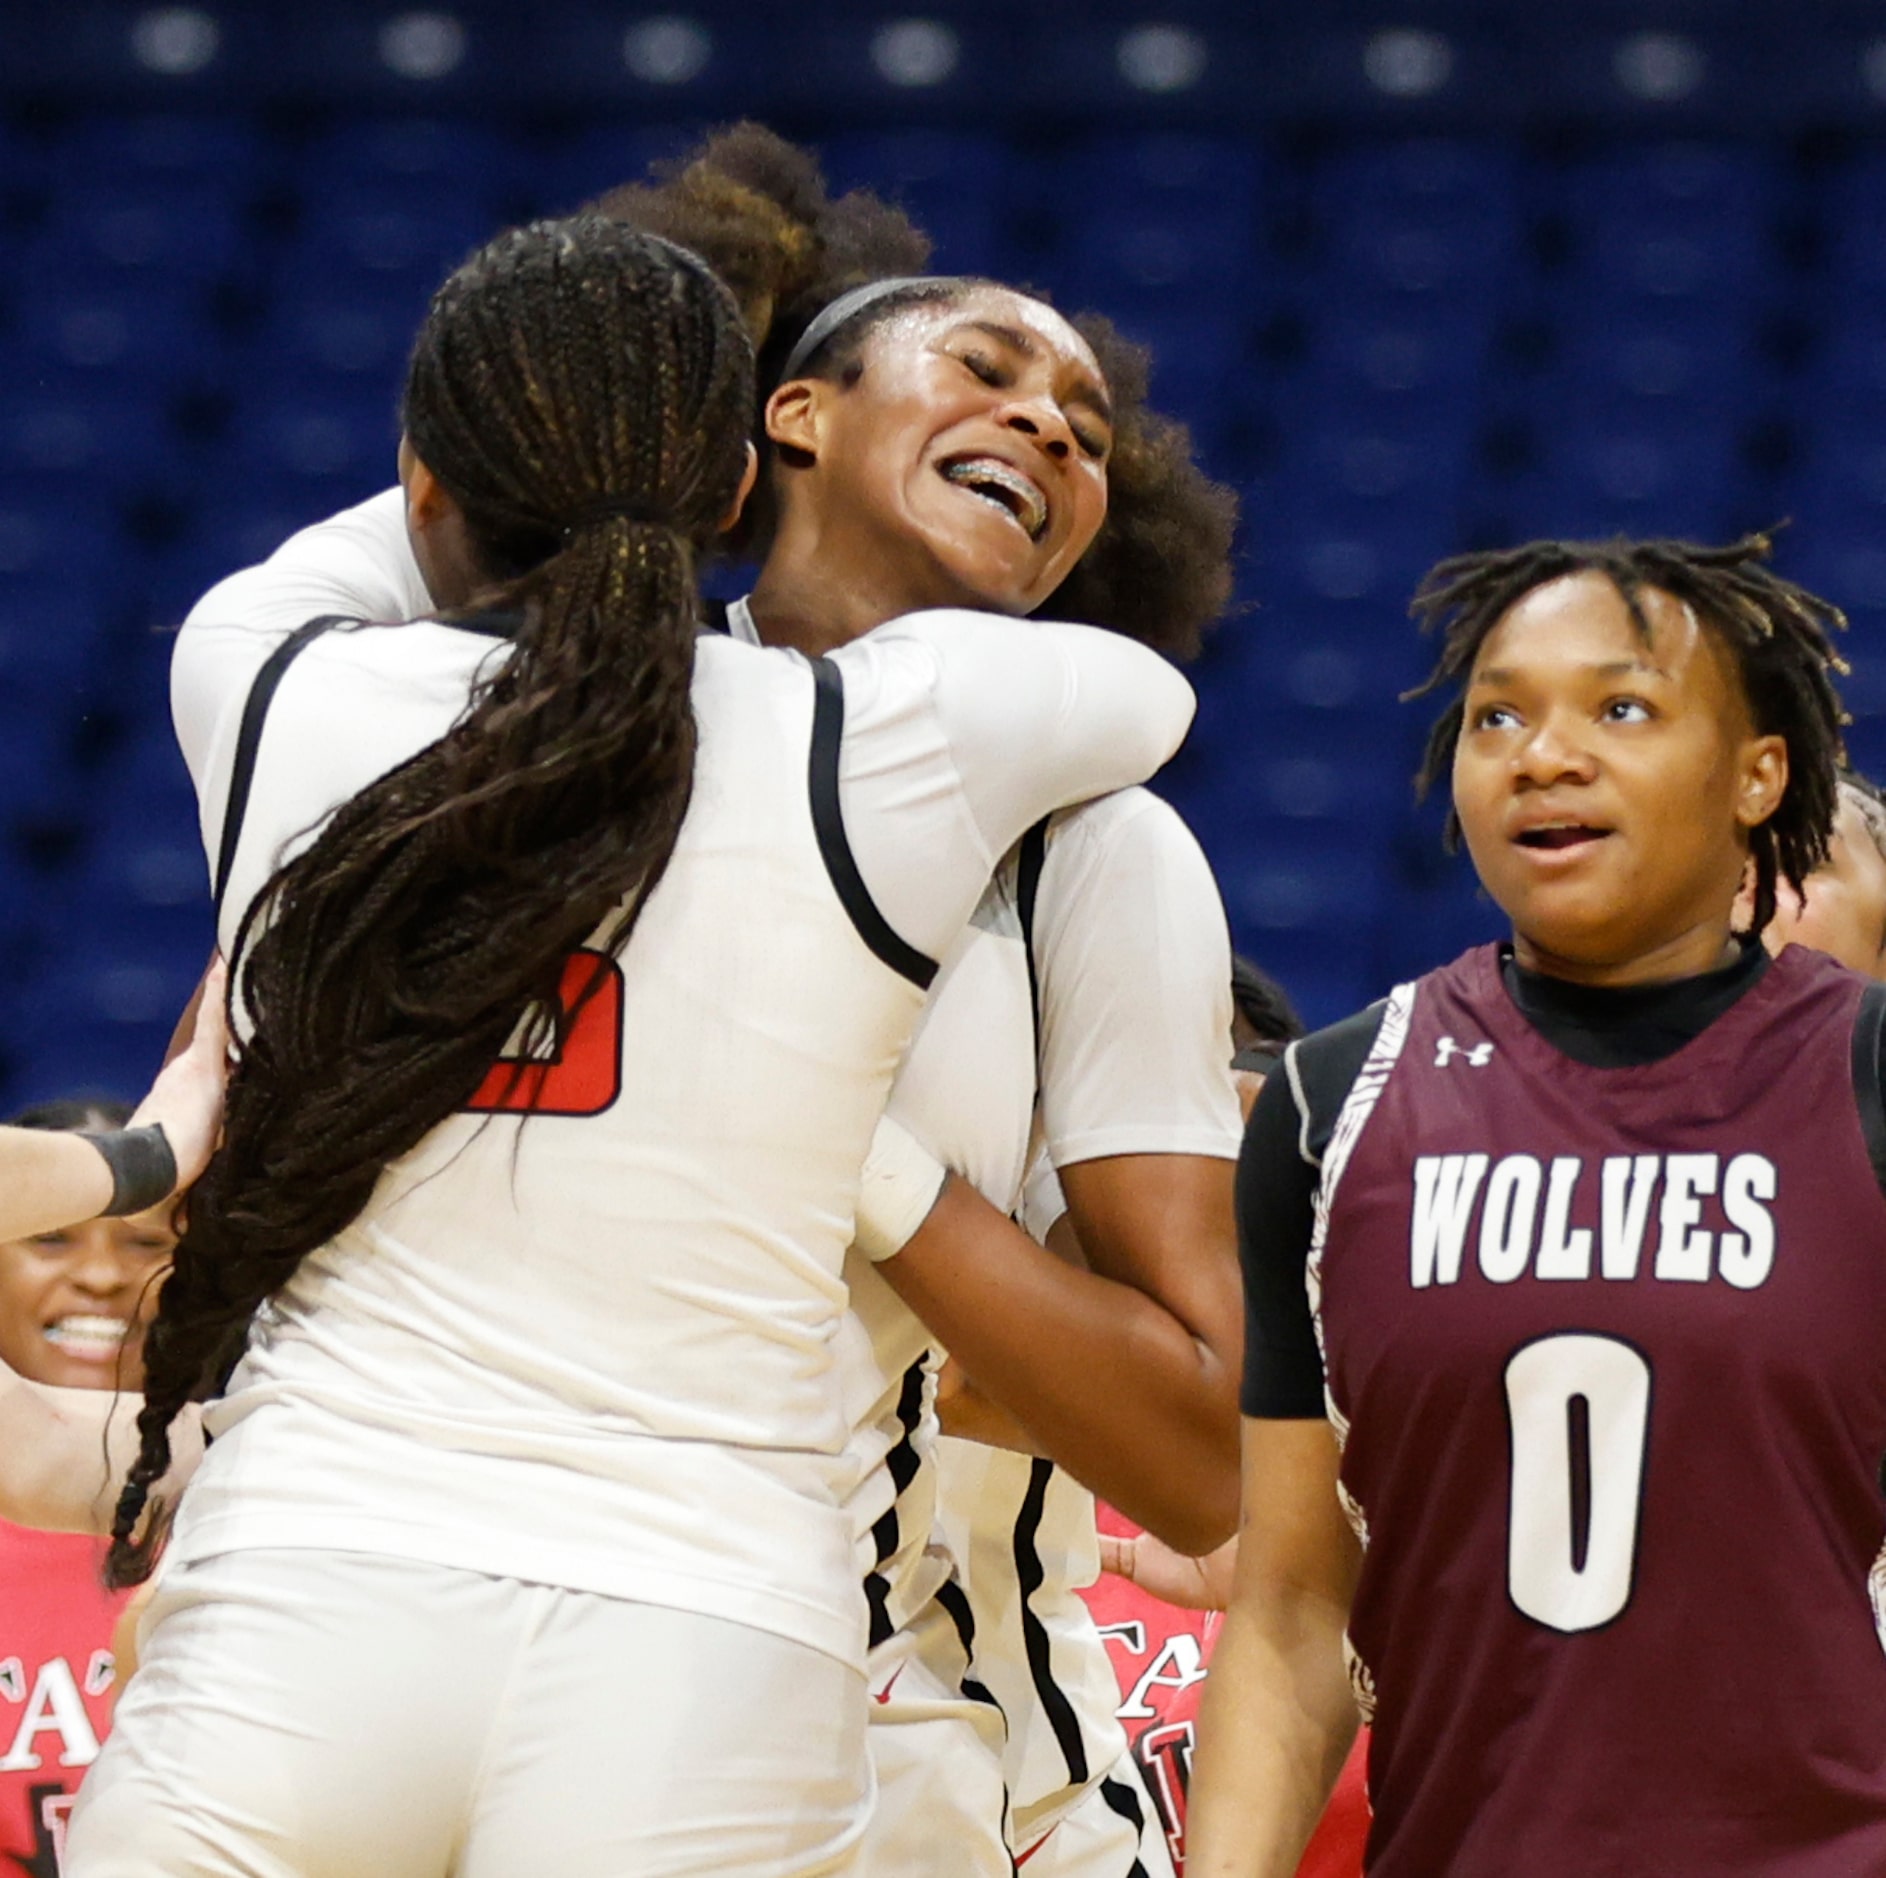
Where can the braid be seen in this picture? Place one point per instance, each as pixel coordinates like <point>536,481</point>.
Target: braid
<point>582,392</point>
<point>1780,634</point>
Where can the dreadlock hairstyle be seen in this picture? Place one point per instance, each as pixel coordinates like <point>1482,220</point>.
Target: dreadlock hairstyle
<point>757,209</point>
<point>582,391</point>
<point>1779,633</point>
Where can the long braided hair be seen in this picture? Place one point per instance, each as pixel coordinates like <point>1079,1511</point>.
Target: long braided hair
<point>1779,635</point>
<point>582,391</point>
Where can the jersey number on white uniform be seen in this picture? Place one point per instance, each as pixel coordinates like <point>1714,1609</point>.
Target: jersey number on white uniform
<point>1578,1409</point>
<point>584,1077</point>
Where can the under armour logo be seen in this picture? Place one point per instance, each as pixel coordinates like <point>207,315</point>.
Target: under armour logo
<point>1447,1049</point>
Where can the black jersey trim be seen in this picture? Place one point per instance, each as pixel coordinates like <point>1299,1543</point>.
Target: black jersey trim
<point>1125,1803</point>
<point>1030,1574</point>
<point>1030,858</point>
<point>902,1465</point>
<point>828,820</point>
<point>1869,1030</point>
<point>1325,1068</point>
<point>954,1601</point>
<point>255,710</point>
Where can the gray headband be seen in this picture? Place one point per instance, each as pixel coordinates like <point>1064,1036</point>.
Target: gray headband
<point>847,307</point>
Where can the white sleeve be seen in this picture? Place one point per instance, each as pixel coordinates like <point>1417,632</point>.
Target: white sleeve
<point>962,729</point>
<point>1043,1202</point>
<point>358,564</point>
<point>1134,962</point>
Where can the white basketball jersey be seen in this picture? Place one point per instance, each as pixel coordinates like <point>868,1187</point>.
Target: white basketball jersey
<point>621,1320</point>
<point>594,1347</point>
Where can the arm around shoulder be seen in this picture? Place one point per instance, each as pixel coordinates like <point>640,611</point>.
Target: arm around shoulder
<point>1040,714</point>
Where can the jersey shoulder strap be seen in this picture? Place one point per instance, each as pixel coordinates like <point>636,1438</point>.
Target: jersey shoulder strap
<point>828,822</point>
<point>1322,1069</point>
<point>249,739</point>
<point>1031,855</point>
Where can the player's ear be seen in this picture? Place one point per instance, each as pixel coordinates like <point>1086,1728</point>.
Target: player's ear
<point>435,527</point>
<point>1762,780</point>
<point>426,500</point>
<point>795,420</point>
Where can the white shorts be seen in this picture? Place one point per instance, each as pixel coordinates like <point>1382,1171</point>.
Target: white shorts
<point>324,1715</point>
<point>942,1804</point>
<point>1112,1831</point>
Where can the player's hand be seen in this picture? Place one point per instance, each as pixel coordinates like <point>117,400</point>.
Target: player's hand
<point>187,1097</point>
<point>1194,1584</point>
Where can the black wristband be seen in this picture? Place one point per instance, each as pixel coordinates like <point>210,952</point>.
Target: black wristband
<point>143,1168</point>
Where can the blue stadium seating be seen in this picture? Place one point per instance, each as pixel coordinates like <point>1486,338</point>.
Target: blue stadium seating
<point>1414,282</point>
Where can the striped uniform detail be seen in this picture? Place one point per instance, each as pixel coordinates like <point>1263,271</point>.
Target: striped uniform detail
<point>1357,1107</point>
<point>1125,1802</point>
<point>902,1463</point>
<point>1029,1575</point>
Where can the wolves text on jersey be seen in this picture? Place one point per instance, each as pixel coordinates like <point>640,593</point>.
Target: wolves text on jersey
<point>1682,1217</point>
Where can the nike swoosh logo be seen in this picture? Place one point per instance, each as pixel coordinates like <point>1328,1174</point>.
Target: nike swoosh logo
<point>884,1694</point>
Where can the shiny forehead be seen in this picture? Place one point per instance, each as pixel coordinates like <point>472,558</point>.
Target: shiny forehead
<point>1000,312</point>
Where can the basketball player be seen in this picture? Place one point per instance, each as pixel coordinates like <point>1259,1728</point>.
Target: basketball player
<point>1565,1270</point>
<point>534,1451</point>
<point>73,1303</point>
<point>1094,978</point>
<point>65,1436</point>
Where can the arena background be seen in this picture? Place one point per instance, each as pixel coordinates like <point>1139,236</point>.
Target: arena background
<point>1420,277</point>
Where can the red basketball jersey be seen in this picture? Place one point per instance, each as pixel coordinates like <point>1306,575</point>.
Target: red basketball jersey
<point>56,1621</point>
<point>1609,1345</point>
<point>1161,1653</point>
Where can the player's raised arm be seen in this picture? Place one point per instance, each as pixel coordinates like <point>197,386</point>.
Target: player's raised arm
<point>53,1177</point>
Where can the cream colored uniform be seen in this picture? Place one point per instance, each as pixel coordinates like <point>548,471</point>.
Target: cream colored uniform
<point>1134,963</point>
<point>590,1360</point>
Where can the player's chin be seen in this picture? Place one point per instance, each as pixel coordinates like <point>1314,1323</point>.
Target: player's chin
<point>997,568</point>
<point>1568,919</point>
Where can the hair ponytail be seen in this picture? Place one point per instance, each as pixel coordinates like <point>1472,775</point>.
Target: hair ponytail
<point>583,392</point>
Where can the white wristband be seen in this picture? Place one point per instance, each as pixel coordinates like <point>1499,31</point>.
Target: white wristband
<point>902,1179</point>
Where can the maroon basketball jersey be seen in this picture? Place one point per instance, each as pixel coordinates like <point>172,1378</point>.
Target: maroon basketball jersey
<point>1609,1345</point>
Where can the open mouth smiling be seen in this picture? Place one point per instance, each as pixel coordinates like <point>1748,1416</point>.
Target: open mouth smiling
<point>90,1337</point>
<point>1003,487</point>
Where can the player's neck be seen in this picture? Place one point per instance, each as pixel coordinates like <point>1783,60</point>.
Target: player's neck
<point>1705,947</point>
<point>817,592</point>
